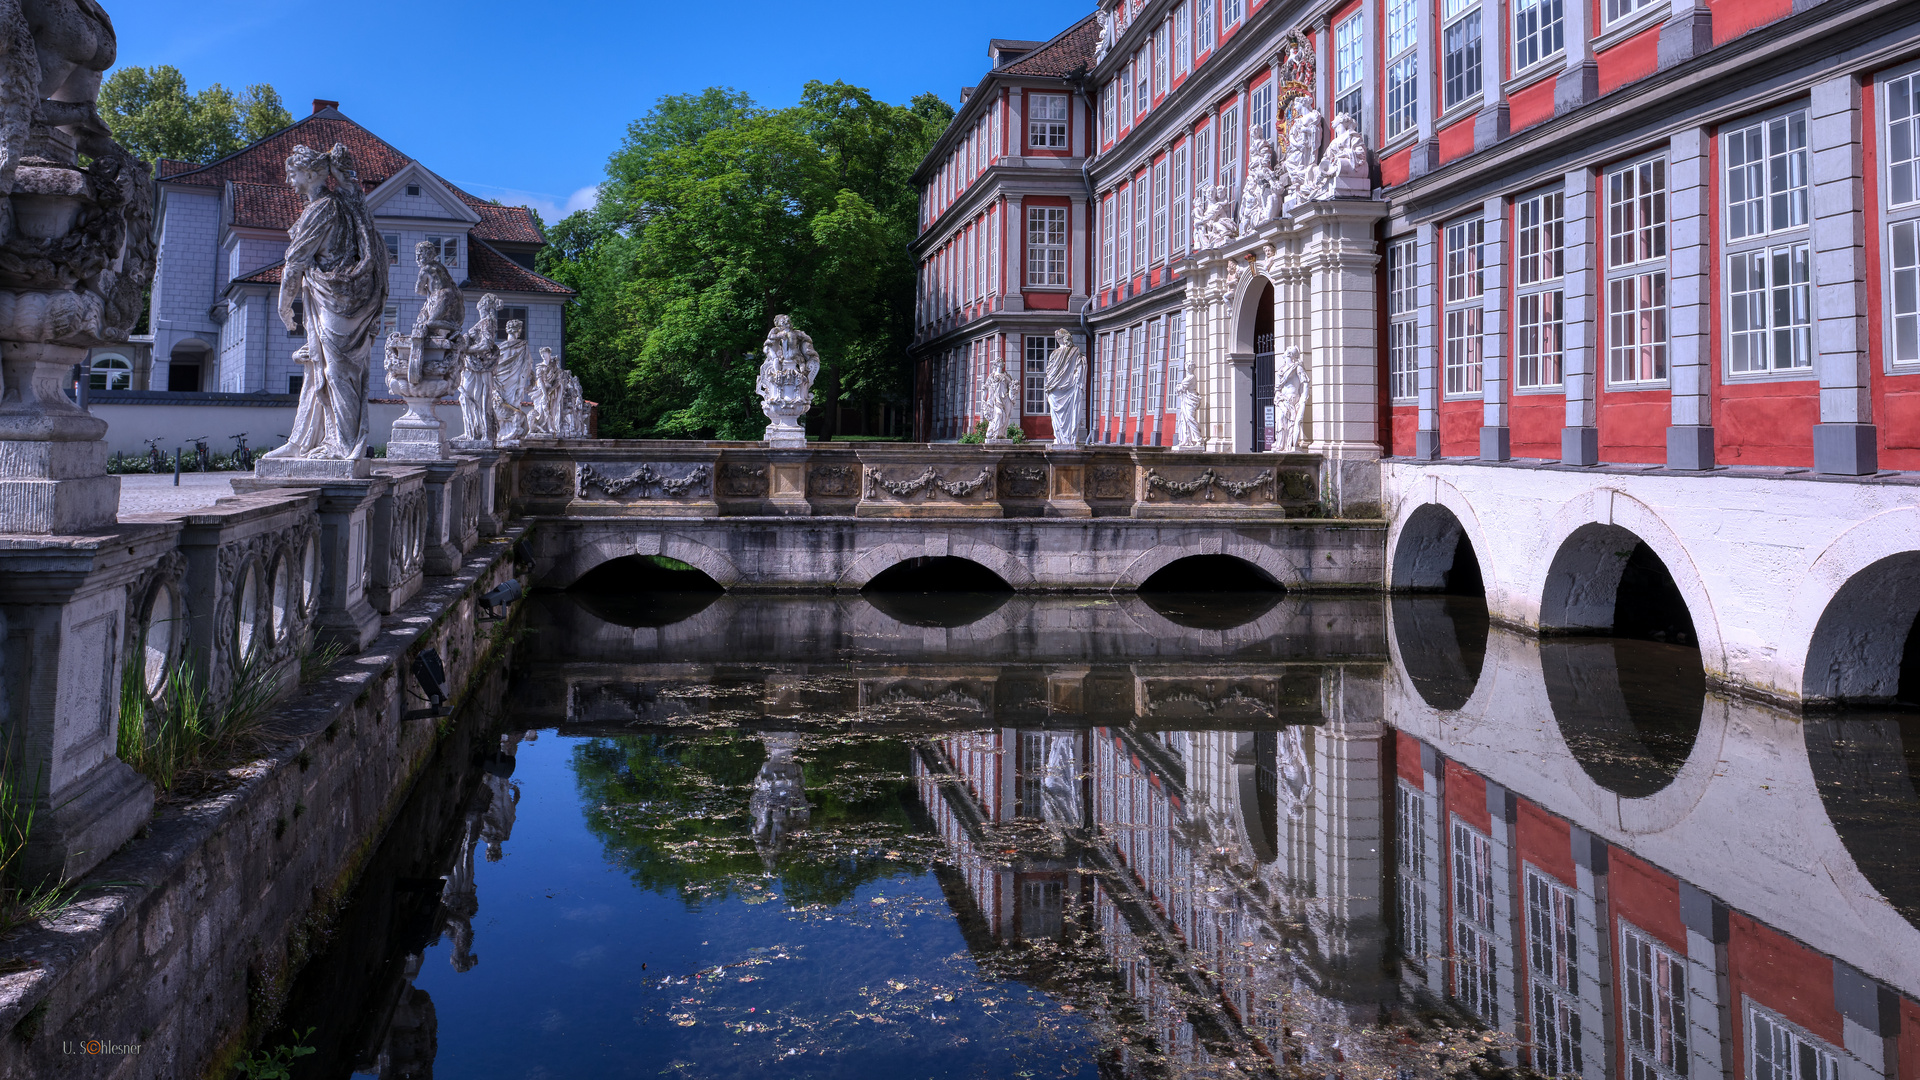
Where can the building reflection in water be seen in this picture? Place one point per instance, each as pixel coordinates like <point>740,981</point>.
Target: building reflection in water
<point>1346,812</point>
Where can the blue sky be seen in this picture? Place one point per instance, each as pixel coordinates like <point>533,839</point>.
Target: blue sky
<point>524,101</point>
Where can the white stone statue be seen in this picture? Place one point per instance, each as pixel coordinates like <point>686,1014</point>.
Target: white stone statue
<point>1213,223</point>
<point>1303,152</point>
<point>337,269</point>
<point>786,382</point>
<point>1067,391</point>
<point>1290,393</point>
<point>477,361</point>
<point>548,397</point>
<point>1186,410</point>
<point>1344,169</point>
<point>1002,404</point>
<point>512,382</point>
<point>573,407</point>
<point>426,364</point>
<point>1101,44</point>
<point>1261,191</point>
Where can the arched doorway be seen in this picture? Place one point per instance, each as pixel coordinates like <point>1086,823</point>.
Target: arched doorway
<point>1261,436</point>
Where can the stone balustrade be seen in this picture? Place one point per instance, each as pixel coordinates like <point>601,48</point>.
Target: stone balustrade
<point>618,479</point>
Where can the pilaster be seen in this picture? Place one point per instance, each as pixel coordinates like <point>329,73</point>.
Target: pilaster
<point>1426,440</point>
<point>1690,357</point>
<point>1342,257</point>
<point>1580,439</point>
<point>1845,443</point>
<point>1496,382</point>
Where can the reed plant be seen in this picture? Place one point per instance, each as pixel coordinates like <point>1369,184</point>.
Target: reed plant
<point>21,901</point>
<point>183,729</point>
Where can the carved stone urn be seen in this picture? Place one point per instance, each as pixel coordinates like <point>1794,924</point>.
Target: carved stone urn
<point>420,371</point>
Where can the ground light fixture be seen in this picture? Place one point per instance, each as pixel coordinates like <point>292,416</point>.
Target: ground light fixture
<point>431,676</point>
<point>500,596</point>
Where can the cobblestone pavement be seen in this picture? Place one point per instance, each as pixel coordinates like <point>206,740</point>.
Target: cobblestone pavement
<point>148,494</point>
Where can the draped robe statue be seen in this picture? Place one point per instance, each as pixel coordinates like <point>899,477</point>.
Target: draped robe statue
<point>336,269</point>
<point>1290,393</point>
<point>1186,408</point>
<point>1003,404</point>
<point>476,376</point>
<point>549,397</point>
<point>1067,391</point>
<point>511,376</point>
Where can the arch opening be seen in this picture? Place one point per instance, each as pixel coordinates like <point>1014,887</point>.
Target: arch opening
<point>1865,648</point>
<point>937,591</point>
<point>1211,592</point>
<point>1648,606</point>
<point>645,591</point>
<point>1262,435</point>
<point>1605,580</point>
<point>1628,710</point>
<point>1867,768</point>
<point>1441,628</point>
<point>1434,554</point>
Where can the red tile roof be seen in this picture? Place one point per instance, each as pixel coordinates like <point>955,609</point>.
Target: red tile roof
<point>1069,53</point>
<point>487,271</point>
<point>265,206</point>
<point>266,275</point>
<point>264,164</point>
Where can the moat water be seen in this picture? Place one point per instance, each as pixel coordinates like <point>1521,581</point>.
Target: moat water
<point>986,835</point>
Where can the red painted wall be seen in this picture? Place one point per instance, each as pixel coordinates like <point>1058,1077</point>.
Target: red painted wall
<point>1467,795</point>
<point>1647,897</point>
<point>1405,422</point>
<point>1545,841</point>
<point>1406,759</point>
<point>1530,105</point>
<point>1460,423</point>
<point>1731,18</point>
<point>1394,168</point>
<point>1456,140</point>
<point>1635,58</point>
<point>1535,423</point>
<point>1633,424</point>
<point>1781,974</point>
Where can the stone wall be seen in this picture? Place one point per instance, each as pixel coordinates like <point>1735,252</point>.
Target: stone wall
<point>183,942</point>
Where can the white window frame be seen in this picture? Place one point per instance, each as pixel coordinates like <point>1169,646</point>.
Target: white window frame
<point>1160,211</point>
<point>1127,112</point>
<point>1653,999</point>
<point>1047,250</point>
<point>1103,386</point>
<point>1047,121</point>
<point>1350,68</point>
<point>1231,12</point>
<point>1178,205</point>
<point>1182,39</point>
<point>1414,858</point>
<point>1162,48</point>
<point>1464,292</point>
<point>1900,204</point>
<point>1142,221</point>
<point>1156,365</point>
<point>1260,112</point>
<point>1035,348</point>
<point>1106,238</point>
<point>1176,347</point>
<point>1464,18</point>
<point>1553,968</point>
<point>1227,146</point>
<point>1403,319</point>
<point>1779,1049</point>
<point>1137,370</point>
<point>1476,976</point>
<point>1123,233</point>
<point>107,370</point>
<point>1203,157</point>
<point>1142,81</point>
<point>1539,277</point>
<point>1109,130</point>
<point>993,252</point>
<point>1769,321</point>
<point>1634,209</point>
<point>1616,10</point>
<point>1539,32</point>
<point>1206,27</point>
<point>1402,91</point>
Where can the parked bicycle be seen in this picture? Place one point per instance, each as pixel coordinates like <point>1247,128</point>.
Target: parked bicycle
<point>157,458</point>
<point>242,453</point>
<point>202,454</point>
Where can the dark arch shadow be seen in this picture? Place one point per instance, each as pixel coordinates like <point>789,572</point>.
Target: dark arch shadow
<point>1604,579</point>
<point>937,591</point>
<point>1864,650</point>
<point>1433,554</point>
<point>1211,592</point>
<point>1628,710</point>
<point>645,590</point>
<point>1867,767</point>
<point>1440,620</point>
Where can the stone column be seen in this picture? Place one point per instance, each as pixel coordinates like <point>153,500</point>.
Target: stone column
<point>1492,122</point>
<point>1845,443</point>
<point>1426,439</point>
<point>1579,80</point>
<point>1348,830</point>
<point>1344,357</point>
<point>1580,439</point>
<point>1690,358</point>
<point>1496,353</point>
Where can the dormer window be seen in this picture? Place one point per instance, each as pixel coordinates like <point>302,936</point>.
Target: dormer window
<point>413,189</point>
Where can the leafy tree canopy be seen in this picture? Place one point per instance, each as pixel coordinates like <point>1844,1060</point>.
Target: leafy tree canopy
<point>151,113</point>
<point>717,215</point>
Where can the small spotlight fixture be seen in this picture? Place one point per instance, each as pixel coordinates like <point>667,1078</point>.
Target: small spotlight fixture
<point>431,676</point>
<point>500,596</point>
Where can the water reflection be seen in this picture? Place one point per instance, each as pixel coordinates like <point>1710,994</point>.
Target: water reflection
<point>1079,839</point>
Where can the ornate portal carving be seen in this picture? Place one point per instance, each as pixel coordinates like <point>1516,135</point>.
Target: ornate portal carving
<point>1023,482</point>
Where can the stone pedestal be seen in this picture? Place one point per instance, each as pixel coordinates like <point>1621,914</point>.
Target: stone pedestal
<point>53,460</point>
<point>310,470</point>
<point>63,625</point>
<point>448,488</point>
<point>787,481</point>
<point>346,512</point>
<point>419,434</point>
<point>397,538</point>
<point>1067,484</point>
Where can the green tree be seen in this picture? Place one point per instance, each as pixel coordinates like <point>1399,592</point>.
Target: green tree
<point>717,215</point>
<point>150,111</point>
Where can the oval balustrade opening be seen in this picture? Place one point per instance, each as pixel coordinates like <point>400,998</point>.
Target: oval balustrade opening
<point>645,591</point>
<point>1211,592</point>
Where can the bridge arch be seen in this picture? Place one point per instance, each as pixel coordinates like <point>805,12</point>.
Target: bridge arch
<point>880,558</point>
<point>1594,539</point>
<point>578,555</point>
<point>1426,545</point>
<point>1263,557</point>
<point>1858,605</point>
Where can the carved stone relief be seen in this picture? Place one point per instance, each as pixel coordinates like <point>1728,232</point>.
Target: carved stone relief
<point>645,482</point>
<point>833,481</point>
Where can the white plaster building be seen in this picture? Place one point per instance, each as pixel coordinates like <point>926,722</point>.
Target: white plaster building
<point>223,233</point>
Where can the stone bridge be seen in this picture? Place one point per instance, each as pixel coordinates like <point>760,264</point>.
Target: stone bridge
<point>835,516</point>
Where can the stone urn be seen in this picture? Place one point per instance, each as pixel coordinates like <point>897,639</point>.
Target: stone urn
<point>420,371</point>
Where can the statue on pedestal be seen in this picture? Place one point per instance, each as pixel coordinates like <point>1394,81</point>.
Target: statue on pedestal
<point>1002,404</point>
<point>1290,393</point>
<point>1260,192</point>
<point>1066,388</point>
<point>1303,153</point>
<point>1186,410</point>
<point>786,382</point>
<point>426,363</point>
<point>1344,169</point>
<point>512,380</point>
<point>548,397</point>
<point>336,269</point>
<point>478,359</point>
<point>573,407</point>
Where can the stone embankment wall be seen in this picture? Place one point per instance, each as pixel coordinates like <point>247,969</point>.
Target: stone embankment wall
<point>182,944</point>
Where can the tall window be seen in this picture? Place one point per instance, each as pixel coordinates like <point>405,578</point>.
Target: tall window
<point>1046,245</point>
<point>1047,121</point>
<point>1142,71</point>
<point>1126,97</point>
<point>1539,267</point>
<point>392,241</point>
<point>1137,369</point>
<point>1230,147</point>
<point>1655,995</point>
<point>1103,377</point>
<point>1106,240</point>
<point>1769,267</point>
<point>993,252</point>
<point>1403,66</point>
<point>1466,304</point>
<point>1539,31</point>
<point>1037,348</point>
<point>1637,273</point>
<point>1160,211</point>
<point>1204,27</point>
<point>1123,234</point>
<point>1460,52</point>
<point>1176,347</point>
<point>1156,363</point>
<point>1475,980</point>
<point>1553,966</point>
<point>1108,132</point>
<point>1179,206</point>
<point>1902,153</point>
<point>1142,221</point>
<point>1203,157</point>
<point>1231,12</point>
<point>1122,364</point>
<point>1413,816</point>
<point>1350,68</point>
<point>1182,39</point>
<point>1260,111</point>
<point>1403,315</point>
<point>1778,1050</point>
<point>1620,9</point>
<point>1161,42</point>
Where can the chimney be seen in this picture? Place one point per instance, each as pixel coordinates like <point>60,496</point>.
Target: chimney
<point>320,104</point>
